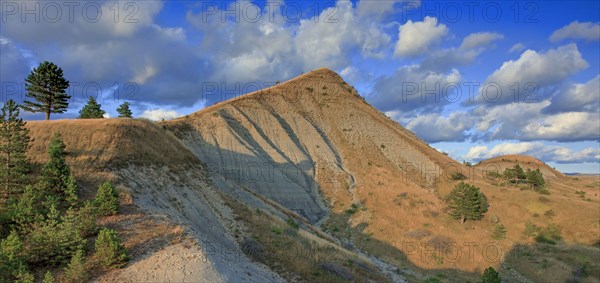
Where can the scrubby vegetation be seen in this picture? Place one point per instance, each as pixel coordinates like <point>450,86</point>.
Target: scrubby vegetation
<point>458,176</point>
<point>490,275</point>
<point>44,223</point>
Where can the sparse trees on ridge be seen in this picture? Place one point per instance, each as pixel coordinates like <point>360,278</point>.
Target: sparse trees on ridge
<point>46,85</point>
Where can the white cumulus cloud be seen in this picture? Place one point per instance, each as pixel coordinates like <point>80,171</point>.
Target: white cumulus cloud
<point>415,38</point>
<point>160,114</point>
<point>533,69</point>
<point>587,31</point>
<point>544,152</point>
<point>412,88</point>
<point>518,47</point>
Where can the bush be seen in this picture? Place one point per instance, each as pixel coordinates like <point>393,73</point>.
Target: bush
<point>109,249</point>
<point>499,231</point>
<point>466,202</point>
<point>549,235</point>
<point>531,229</point>
<point>48,278</point>
<point>292,223</point>
<point>76,271</point>
<point>107,200</point>
<point>490,275</point>
<point>458,176</point>
<point>353,209</point>
<point>276,230</point>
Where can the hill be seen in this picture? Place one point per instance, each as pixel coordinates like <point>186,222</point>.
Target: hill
<point>527,162</point>
<point>305,181</point>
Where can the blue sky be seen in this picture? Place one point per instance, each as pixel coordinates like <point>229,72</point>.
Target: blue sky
<point>173,58</point>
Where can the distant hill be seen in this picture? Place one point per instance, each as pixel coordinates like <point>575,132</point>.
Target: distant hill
<point>527,162</point>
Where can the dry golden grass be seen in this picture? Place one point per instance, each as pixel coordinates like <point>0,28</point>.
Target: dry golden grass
<point>105,142</point>
<point>95,147</point>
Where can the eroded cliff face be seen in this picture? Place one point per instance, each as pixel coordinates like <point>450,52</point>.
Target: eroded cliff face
<point>302,143</point>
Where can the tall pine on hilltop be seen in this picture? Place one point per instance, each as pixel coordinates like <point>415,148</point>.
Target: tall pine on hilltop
<point>14,142</point>
<point>91,110</point>
<point>466,202</point>
<point>124,111</point>
<point>46,85</point>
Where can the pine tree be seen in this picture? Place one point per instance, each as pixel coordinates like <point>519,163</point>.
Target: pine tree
<point>56,172</point>
<point>26,209</point>
<point>11,257</point>
<point>71,191</point>
<point>535,178</point>
<point>509,174</point>
<point>107,199</point>
<point>48,278</point>
<point>519,173</point>
<point>466,202</point>
<point>46,85</point>
<point>109,249</point>
<point>91,110</point>
<point>124,111</point>
<point>87,217</point>
<point>515,173</point>
<point>490,275</point>
<point>54,240</point>
<point>76,271</point>
<point>14,142</point>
